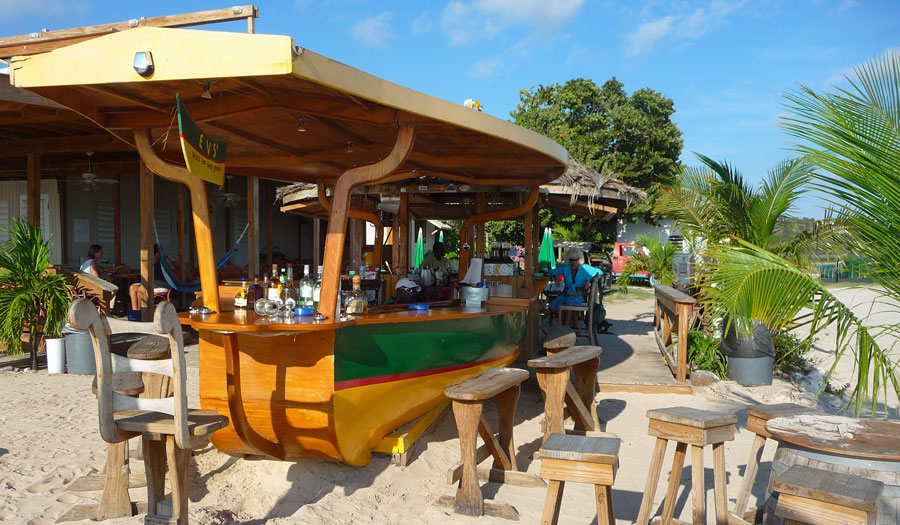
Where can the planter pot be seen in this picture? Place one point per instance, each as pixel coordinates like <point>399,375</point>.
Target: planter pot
<point>79,351</point>
<point>56,355</point>
<point>751,360</point>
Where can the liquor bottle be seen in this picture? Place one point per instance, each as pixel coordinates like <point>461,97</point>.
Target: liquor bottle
<point>306,289</point>
<point>317,289</point>
<point>357,302</point>
<point>240,298</point>
<point>254,292</point>
<point>273,290</point>
<point>288,286</point>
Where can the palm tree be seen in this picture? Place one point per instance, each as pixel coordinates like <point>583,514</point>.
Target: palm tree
<point>658,263</point>
<point>28,293</point>
<point>854,137</point>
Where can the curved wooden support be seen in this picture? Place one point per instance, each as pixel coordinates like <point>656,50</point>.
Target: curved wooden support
<point>358,214</point>
<point>337,220</point>
<point>494,215</point>
<point>236,403</point>
<point>199,210</point>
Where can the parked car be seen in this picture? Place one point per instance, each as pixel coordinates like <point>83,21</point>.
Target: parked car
<point>622,253</point>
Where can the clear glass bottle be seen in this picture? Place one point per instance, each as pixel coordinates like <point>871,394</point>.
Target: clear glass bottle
<point>273,288</point>
<point>357,302</point>
<point>241,297</point>
<point>306,288</point>
<point>289,287</point>
<point>317,289</point>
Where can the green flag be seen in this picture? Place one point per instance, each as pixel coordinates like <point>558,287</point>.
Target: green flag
<point>420,251</point>
<point>546,259</point>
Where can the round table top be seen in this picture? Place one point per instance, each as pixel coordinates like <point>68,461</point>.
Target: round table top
<point>848,436</point>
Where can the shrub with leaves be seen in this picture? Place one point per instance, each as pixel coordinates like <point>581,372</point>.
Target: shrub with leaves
<point>28,294</point>
<point>791,352</point>
<point>659,264</point>
<point>704,353</point>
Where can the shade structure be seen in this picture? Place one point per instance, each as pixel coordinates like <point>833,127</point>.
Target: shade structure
<point>420,251</point>
<point>546,259</point>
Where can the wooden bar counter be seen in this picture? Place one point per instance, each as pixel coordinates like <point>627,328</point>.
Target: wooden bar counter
<point>297,388</point>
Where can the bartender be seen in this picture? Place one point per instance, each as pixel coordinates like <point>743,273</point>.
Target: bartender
<point>577,276</point>
<point>436,259</point>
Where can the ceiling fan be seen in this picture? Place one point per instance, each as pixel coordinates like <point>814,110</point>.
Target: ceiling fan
<point>90,180</point>
<point>226,198</point>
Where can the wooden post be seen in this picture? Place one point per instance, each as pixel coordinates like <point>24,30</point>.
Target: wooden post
<point>536,223</point>
<point>403,235</point>
<point>63,238</point>
<point>146,243</point>
<point>533,314</point>
<point>199,209</point>
<point>378,245</point>
<point>357,229</point>
<point>480,233</point>
<point>117,223</point>
<point>181,230</point>
<point>337,221</point>
<point>253,221</point>
<point>529,247</point>
<point>270,214</point>
<point>395,240</point>
<point>33,189</point>
<point>317,243</point>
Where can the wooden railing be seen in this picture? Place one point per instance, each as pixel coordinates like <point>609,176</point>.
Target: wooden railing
<point>673,309</point>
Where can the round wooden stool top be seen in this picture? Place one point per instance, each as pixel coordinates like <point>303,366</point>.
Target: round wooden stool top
<point>559,338</point>
<point>149,348</point>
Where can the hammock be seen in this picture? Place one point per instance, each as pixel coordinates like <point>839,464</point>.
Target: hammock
<point>192,286</point>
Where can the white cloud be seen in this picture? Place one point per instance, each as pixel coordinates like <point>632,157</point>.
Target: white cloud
<point>486,67</point>
<point>469,21</point>
<point>687,25</point>
<point>422,24</point>
<point>374,31</point>
<point>647,35</point>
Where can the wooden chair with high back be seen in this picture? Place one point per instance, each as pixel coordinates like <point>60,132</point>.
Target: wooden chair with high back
<point>168,429</point>
<point>587,309</point>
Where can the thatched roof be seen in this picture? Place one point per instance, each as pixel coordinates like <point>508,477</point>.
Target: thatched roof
<point>580,181</point>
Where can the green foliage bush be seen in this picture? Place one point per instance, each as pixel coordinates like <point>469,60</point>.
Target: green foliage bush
<point>704,353</point>
<point>791,353</point>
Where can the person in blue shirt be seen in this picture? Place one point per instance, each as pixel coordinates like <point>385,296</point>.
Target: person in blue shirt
<point>577,277</point>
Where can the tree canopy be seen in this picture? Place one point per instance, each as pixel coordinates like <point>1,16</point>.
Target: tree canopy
<point>631,137</point>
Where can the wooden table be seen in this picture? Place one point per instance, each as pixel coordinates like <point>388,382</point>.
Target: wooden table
<point>864,447</point>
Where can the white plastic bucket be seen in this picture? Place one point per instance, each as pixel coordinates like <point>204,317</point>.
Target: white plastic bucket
<point>56,356</point>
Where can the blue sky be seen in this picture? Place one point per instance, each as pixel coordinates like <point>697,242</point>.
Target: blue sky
<point>725,64</point>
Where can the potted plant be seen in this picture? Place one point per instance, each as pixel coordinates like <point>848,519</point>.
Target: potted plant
<point>29,294</point>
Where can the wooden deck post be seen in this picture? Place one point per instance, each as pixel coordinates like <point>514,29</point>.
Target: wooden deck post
<point>337,221</point>
<point>403,235</point>
<point>147,223</point>
<point>253,229</point>
<point>199,209</point>
<point>33,189</point>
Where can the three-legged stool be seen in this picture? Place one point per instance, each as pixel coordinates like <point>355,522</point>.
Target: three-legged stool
<point>582,459</point>
<point>468,398</point>
<point>697,428</point>
<point>820,497</point>
<point>757,416</point>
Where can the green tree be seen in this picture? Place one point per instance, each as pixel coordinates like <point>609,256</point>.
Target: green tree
<point>632,137</point>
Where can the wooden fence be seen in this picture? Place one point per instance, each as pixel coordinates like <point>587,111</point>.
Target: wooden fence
<point>672,314</point>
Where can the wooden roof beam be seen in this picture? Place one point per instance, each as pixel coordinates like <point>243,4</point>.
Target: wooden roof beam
<point>48,40</point>
<point>30,115</point>
<point>104,142</point>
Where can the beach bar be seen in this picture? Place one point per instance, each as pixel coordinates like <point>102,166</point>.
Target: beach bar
<point>295,386</point>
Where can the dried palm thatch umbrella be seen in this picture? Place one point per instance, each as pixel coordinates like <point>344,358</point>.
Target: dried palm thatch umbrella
<point>580,181</point>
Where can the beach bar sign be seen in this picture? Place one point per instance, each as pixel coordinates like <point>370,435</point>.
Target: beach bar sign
<point>205,157</point>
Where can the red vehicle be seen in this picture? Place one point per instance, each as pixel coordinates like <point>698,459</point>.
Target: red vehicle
<point>622,253</point>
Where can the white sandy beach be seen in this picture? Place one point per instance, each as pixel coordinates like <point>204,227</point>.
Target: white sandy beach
<point>49,438</point>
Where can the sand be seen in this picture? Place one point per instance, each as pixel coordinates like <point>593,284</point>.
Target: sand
<point>49,438</point>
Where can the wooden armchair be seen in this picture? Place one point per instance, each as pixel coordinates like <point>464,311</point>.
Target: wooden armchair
<point>168,428</point>
<point>587,309</point>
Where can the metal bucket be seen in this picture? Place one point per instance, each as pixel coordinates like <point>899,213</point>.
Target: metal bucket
<point>79,351</point>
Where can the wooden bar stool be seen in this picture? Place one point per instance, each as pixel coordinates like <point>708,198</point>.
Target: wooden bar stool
<point>698,428</point>
<point>757,416</point>
<point>559,338</point>
<point>468,398</point>
<point>582,459</point>
<point>821,497</point>
<point>553,377</point>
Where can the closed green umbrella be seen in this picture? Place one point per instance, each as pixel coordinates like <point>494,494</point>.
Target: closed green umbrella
<point>420,251</point>
<point>546,259</point>
<point>441,238</point>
